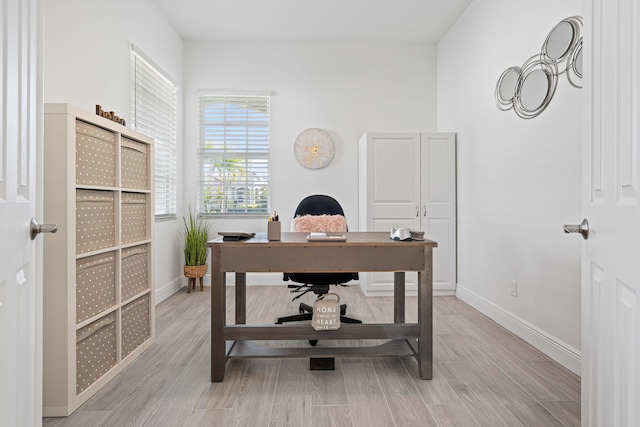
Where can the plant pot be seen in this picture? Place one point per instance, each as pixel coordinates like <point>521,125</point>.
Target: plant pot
<point>193,272</point>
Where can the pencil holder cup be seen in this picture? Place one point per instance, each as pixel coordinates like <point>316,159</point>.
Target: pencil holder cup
<point>273,230</point>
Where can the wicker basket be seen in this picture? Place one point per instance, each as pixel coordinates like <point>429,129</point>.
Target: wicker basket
<point>195,271</point>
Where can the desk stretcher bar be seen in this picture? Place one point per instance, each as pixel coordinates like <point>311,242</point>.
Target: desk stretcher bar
<point>347,331</point>
<point>394,348</point>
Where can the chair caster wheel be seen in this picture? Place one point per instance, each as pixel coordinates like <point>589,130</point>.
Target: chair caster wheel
<point>313,342</point>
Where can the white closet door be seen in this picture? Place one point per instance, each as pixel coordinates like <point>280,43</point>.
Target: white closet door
<point>438,210</point>
<point>409,180</point>
<point>393,189</point>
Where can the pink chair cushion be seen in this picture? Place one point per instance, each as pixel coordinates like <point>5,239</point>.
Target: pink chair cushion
<point>319,223</point>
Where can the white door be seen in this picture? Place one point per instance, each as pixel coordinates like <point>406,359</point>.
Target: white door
<point>409,180</point>
<point>438,210</point>
<point>20,287</point>
<point>611,203</point>
<point>389,195</point>
<point>393,181</point>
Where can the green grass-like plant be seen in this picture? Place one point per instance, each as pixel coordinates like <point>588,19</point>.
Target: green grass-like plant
<point>196,234</point>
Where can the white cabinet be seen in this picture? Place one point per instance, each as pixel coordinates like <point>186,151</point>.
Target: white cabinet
<point>409,180</point>
<point>98,303</point>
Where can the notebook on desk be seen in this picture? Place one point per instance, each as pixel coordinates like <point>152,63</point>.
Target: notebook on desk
<point>235,235</point>
<point>326,237</point>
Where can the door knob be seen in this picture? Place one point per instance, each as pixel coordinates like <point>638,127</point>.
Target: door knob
<point>41,228</point>
<point>582,228</point>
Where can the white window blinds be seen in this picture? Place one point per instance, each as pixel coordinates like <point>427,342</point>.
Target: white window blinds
<point>234,155</point>
<point>154,112</point>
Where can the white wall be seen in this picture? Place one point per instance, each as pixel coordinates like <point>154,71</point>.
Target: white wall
<point>87,62</point>
<point>518,180</point>
<point>346,89</point>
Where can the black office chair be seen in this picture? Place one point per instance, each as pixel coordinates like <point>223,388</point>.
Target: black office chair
<point>318,283</point>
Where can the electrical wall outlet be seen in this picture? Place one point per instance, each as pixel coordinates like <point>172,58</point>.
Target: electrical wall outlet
<point>514,288</point>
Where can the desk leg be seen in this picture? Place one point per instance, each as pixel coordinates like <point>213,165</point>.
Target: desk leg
<point>218,317</point>
<point>425,318</point>
<point>241,298</point>
<point>398,297</point>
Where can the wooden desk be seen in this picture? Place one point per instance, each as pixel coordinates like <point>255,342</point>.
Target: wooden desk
<point>363,251</point>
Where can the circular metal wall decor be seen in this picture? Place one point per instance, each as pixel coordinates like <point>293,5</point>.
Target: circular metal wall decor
<point>314,148</point>
<point>574,66</point>
<point>530,88</point>
<point>535,88</point>
<point>506,88</point>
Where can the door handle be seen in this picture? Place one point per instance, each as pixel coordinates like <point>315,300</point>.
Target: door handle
<point>41,228</point>
<point>424,210</point>
<point>417,211</point>
<point>582,228</point>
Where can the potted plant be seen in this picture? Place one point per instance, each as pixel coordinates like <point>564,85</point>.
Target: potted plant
<point>196,234</point>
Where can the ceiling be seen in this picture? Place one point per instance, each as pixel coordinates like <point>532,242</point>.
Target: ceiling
<point>313,21</point>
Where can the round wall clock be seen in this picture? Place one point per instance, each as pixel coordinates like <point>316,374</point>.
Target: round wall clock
<point>314,148</point>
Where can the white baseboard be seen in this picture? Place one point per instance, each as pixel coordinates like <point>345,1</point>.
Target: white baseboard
<point>262,279</point>
<point>259,279</point>
<point>169,289</point>
<point>408,292</point>
<point>253,279</point>
<point>559,351</point>
<point>265,279</point>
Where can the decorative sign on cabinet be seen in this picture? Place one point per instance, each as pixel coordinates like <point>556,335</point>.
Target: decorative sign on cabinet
<point>409,180</point>
<point>99,306</point>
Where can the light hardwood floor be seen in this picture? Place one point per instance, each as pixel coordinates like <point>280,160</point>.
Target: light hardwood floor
<point>483,375</point>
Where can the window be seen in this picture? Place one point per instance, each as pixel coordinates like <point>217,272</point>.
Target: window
<point>154,112</point>
<point>234,155</point>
